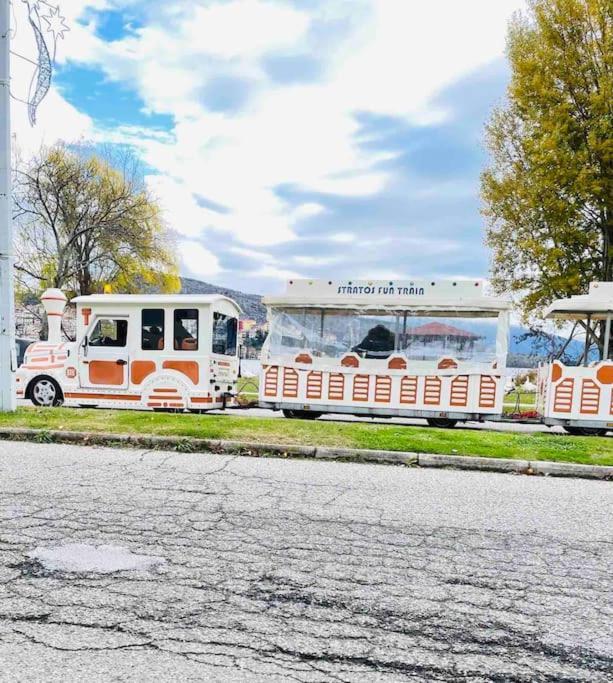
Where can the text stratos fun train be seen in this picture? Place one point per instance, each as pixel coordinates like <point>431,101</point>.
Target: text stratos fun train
<point>429,349</point>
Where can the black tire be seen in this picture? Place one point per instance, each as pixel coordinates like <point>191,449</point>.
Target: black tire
<point>45,392</point>
<point>585,431</point>
<point>300,414</point>
<point>441,422</point>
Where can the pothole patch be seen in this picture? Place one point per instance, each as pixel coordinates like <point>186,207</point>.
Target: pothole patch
<point>101,559</point>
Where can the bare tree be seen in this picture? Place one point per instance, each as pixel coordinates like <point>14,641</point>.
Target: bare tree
<point>83,221</point>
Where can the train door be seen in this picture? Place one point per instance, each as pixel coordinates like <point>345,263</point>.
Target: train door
<point>103,354</point>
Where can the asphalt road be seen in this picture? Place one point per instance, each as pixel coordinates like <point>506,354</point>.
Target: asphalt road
<point>296,570</point>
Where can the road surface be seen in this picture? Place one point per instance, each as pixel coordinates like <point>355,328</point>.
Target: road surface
<point>266,569</point>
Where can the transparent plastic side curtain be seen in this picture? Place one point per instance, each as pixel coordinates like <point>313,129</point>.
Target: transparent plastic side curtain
<point>332,333</point>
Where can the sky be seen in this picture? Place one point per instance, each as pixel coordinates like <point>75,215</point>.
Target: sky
<point>288,138</point>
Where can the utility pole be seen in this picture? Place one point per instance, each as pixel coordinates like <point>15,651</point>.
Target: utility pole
<point>8,359</point>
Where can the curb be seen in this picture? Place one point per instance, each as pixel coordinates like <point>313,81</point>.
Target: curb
<point>193,445</point>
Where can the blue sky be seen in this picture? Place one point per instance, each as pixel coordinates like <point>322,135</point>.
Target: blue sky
<point>286,138</point>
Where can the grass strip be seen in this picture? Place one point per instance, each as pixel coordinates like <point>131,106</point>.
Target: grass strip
<point>392,437</point>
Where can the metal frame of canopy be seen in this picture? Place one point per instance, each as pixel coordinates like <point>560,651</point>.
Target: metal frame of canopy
<point>593,307</point>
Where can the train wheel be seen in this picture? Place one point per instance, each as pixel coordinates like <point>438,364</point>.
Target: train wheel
<point>441,422</point>
<point>300,414</point>
<point>585,431</point>
<point>45,392</point>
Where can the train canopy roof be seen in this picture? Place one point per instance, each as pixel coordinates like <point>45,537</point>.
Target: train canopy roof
<point>155,300</point>
<point>598,304</point>
<point>421,297</point>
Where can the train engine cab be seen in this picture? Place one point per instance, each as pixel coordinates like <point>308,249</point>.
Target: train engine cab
<point>580,397</point>
<point>160,352</point>
<point>434,350</point>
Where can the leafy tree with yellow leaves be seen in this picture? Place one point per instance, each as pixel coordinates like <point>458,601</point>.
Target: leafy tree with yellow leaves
<point>548,190</point>
<point>85,219</point>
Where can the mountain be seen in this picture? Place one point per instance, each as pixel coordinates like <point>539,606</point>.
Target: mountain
<point>250,303</point>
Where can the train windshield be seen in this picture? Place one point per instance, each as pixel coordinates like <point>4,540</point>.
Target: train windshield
<point>328,333</point>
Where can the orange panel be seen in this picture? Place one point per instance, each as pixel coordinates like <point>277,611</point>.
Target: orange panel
<point>290,383</point>
<point>408,390</point>
<point>459,391</point>
<point>604,374</point>
<point>336,387</point>
<point>397,364</point>
<point>487,392</point>
<point>361,384</point>
<point>590,397</point>
<point>432,391</point>
<point>563,397</point>
<point>556,372</point>
<point>304,358</point>
<point>106,397</point>
<point>106,372</point>
<point>271,377</point>
<point>446,363</point>
<point>383,389</point>
<point>350,362</point>
<point>314,384</point>
<point>189,368</point>
<point>141,369</point>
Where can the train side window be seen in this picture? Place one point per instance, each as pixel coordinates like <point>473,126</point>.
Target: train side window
<point>109,332</point>
<point>186,329</point>
<point>152,329</point>
<point>224,334</point>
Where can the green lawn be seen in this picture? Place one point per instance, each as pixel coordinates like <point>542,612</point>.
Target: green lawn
<point>534,446</point>
<point>248,387</point>
<point>526,402</point>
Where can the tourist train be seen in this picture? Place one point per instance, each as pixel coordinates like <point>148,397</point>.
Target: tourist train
<point>136,351</point>
<point>421,349</point>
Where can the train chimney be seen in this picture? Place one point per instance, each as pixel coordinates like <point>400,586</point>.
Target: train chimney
<point>54,302</point>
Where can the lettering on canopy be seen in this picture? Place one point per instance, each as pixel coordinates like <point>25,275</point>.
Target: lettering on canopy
<point>392,290</point>
<point>387,288</point>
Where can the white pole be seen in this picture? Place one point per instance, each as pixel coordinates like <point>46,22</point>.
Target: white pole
<point>607,337</point>
<point>8,360</point>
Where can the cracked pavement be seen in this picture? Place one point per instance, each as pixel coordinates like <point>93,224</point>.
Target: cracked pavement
<point>283,570</point>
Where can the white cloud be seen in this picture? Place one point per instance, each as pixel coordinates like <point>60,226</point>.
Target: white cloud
<point>243,27</point>
<point>396,56</point>
<point>198,261</point>
<point>342,237</point>
<point>179,206</point>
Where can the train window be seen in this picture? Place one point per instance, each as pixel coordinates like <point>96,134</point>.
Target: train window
<point>109,332</point>
<point>224,334</point>
<point>152,329</point>
<point>186,329</point>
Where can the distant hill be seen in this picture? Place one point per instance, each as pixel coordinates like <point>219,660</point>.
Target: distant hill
<point>250,303</point>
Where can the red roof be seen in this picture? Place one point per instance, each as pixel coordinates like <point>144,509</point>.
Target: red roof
<point>440,330</point>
